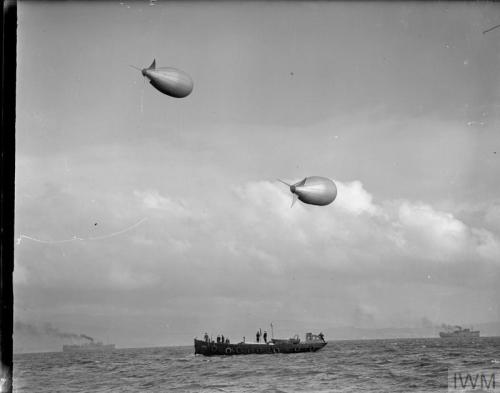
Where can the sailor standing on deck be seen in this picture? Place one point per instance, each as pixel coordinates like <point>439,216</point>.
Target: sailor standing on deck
<point>257,335</point>
<point>265,336</point>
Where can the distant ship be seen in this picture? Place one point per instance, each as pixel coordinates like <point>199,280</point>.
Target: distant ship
<point>91,346</point>
<point>458,332</point>
<point>209,347</point>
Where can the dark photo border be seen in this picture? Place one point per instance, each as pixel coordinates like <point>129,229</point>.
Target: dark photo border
<point>7,189</point>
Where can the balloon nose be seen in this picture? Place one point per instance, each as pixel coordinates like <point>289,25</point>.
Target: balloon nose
<point>144,72</point>
<point>292,189</point>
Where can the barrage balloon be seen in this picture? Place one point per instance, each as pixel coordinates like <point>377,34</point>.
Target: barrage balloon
<point>313,190</point>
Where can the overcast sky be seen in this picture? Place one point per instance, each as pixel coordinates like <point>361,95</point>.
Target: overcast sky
<point>147,220</point>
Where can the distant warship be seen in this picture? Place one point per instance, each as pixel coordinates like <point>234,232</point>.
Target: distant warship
<point>458,332</point>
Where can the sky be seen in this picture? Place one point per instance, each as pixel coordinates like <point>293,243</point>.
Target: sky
<point>146,220</point>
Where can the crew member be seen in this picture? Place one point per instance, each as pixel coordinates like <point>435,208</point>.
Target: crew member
<point>206,337</point>
<point>257,335</point>
<point>265,336</point>
<point>218,339</point>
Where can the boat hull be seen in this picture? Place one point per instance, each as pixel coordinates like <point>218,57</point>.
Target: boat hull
<point>220,349</point>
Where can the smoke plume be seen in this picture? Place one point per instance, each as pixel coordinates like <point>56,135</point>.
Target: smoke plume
<point>450,327</point>
<point>47,330</point>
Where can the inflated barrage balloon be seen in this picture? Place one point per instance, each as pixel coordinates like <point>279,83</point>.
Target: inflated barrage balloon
<point>168,80</point>
<point>313,190</point>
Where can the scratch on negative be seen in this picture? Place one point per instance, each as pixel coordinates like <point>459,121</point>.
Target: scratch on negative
<point>113,234</point>
<point>492,28</point>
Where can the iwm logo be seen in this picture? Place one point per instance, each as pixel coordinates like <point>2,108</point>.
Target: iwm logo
<point>473,381</point>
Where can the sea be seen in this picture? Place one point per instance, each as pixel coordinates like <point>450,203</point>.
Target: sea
<point>389,365</point>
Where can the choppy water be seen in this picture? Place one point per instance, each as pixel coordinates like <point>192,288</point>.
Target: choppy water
<point>399,365</point>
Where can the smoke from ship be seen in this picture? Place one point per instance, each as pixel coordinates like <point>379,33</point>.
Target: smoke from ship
<point>450,327</point>
<point>48,330</point>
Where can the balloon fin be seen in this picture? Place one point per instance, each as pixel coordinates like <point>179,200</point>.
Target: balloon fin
<point>294,199</point>
<point>153,65</point>
<point>301,183</point>
<point>285,183</point>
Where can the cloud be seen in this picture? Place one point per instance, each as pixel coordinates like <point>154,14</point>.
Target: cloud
<point>353,198</point>
<point>488,246</point>
<point>354,225</point>
<point>435,233</point>
<point>130,277</point>
<point>492,216</point>
<point>251,228</point>
<point>179,246</point>
<point>364,315</point>
<point>441,236</point>
<point>151,199</point>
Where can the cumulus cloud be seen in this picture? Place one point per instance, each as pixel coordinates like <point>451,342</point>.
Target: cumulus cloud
<point>353,198</point>
<point>151,199</point>
<point>130,277</point>
<point>437,234</point>
<point>179,246</point>
<point>488,246</point>
<point>492,216</point>
<point>441,236</point>
<point>394,228</point>
<point>254,229</point>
